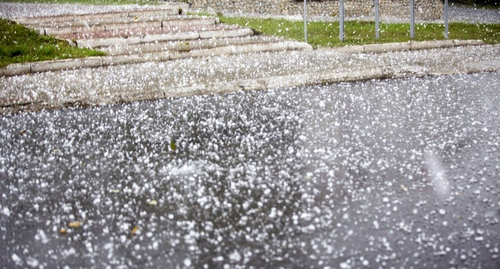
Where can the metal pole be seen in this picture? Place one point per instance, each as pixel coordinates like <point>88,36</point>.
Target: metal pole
<point>412,19</point>
<point>377,20</point>
<point>446,28</point>
<point>341,21</point>
<point>305,20</point>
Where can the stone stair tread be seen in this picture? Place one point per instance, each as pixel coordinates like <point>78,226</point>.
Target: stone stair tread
<point>119,20</point>
<point>233,50</point>
<point>173,9</point>
<point>181,46</point>
<point>83,27</point>
<point>138,32</point>
<point>163,37</point>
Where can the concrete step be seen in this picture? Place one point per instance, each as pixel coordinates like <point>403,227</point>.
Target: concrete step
<point>163,37</point>
<point>68,28</point>
<point>166,20</point>
<point>126,33</point>
<point>152,35</point>
<point>224,50</point>
<point>166,9</point>
<point>92,62</point>
<point>187,45</point>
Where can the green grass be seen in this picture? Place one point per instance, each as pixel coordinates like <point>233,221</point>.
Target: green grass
<point>87,2</point>
<point>19,44</point>
<point>326,34</point>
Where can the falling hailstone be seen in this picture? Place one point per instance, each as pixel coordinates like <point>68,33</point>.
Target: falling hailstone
<point>235,256</point>
<point>437,175</point>
<point>17,260</point>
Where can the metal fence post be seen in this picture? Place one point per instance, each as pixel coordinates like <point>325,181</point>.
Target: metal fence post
<point>446,27</point>
<point>377,20</point>
<point>412,19</point>
<point>341,20</point>
<point>305,20</point>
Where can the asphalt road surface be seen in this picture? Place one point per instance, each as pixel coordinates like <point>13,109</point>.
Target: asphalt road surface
<point>379,174</point>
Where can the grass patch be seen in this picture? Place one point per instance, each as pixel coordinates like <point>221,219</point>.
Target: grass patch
<point>326,34</point>
<point>19,44</point>
<point>87,2</point>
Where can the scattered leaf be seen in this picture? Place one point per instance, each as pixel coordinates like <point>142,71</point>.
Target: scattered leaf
<point>403,188</point>
<point>135,230</point>
<point>115,191</point>
<point>153,202</point>
<point>23,132</point>
<point>75,224</point>
<point>62,231</point>
<point>172,145</point>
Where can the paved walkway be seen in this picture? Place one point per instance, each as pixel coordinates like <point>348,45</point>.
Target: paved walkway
<point>147,80</point>
<point>225,74</point>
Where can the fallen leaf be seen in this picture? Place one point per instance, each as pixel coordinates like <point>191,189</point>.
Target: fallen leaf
<point>172,145</point>
<point>135,230</point>
<point>115,191</point>
<point>75,224</point>
<point>62,231</point>
<point>403,188</point>
<point>23,132</point>
<point>153,202</point>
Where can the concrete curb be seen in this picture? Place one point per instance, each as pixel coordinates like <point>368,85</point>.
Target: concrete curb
<point>408,46</point>
<point>58,65</point>
<point>269,83</point>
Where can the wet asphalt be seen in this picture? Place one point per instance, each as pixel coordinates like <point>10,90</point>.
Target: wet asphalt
<point>400,173</point>
<point>379,174</point>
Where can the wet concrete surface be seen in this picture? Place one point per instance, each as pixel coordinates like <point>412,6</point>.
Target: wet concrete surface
<point>223,74</point>
<point>377,174</point>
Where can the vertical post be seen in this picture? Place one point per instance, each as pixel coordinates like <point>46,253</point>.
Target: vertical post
<point>305,20</point>
<point>412,19</point>
<point>446,27</point>
<point>377,20</point>
<point>341,20</point>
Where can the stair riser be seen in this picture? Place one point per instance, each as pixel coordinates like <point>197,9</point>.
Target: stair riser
<point>100,16</point>
<point>187,45</point>
<point>148,57</point>
<point>162,38</point>
<point>123,26</point>
<point>190,22</point>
